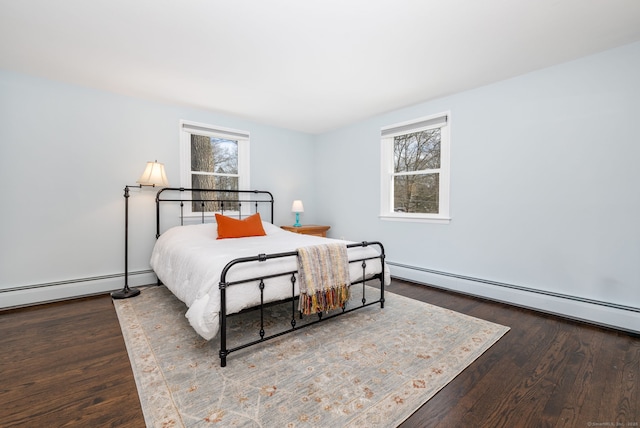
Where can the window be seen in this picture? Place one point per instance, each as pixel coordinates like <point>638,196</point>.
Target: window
<point>213,158</point>
<point>415,170</point>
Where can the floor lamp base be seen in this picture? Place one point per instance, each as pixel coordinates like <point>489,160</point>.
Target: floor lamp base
<point>125,293</point>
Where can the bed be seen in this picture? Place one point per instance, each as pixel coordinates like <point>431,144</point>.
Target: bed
<point>217,278</point>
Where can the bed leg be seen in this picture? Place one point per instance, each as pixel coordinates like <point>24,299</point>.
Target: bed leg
<point>382,274</point>
<point>223,324</point>
<point>382,286</point>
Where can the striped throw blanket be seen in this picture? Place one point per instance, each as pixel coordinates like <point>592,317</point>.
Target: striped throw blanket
<point>323,271</point>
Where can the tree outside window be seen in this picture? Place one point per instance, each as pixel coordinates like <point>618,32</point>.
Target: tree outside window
<point>214,158</point>
<point>417,172</point>
<point>214,165</point>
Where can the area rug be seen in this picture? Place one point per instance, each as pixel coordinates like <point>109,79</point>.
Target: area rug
<point>369,368</point>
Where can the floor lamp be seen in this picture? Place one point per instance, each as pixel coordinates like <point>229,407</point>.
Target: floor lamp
<point>152,176</point>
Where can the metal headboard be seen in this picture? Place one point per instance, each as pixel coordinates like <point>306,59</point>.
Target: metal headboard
<point>221,199</point>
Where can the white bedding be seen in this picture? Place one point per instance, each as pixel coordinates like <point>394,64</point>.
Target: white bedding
<point>189,261</point>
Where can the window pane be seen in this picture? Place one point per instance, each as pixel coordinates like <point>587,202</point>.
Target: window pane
<point>214,182</point>
<point>417,151</point>
<point>211,154</point>
<point>416,193</point>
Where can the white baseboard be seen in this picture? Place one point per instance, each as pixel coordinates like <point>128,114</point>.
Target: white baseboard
<point>600,313</point>
<point>63,290</point>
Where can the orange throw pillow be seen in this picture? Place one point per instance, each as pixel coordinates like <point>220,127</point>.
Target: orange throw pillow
<point>233,228</point>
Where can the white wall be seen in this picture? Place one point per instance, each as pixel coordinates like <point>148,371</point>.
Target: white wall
<point>66,153</point>
<point>544,190</point>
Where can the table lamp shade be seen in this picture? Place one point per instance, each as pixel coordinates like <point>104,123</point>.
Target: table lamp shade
<point>297,207</point>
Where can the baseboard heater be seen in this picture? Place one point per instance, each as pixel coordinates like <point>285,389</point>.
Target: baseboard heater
<point>517,287</point>
<point>73,281</point>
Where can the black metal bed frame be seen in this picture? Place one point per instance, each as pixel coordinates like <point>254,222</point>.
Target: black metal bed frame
<point>256,197</point>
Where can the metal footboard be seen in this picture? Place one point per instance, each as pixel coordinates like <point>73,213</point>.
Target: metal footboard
<point>262,336</point>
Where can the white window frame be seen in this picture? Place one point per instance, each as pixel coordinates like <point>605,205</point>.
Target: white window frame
<point>440,120</point>
<point>242,137</point>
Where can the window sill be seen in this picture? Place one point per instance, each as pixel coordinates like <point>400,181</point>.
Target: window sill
<point>415,219</point>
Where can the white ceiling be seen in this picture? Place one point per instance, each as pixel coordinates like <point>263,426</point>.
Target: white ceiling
<point>307,65</point>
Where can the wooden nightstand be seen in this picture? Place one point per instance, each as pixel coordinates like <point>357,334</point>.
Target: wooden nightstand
<point>309,229</point>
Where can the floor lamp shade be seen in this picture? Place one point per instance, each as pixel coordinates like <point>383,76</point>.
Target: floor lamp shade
<point>154,175</point>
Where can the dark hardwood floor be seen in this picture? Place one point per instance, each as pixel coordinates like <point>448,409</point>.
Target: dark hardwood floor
<point>65,364</point>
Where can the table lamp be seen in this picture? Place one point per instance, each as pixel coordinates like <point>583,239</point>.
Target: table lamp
<point>297,208</point>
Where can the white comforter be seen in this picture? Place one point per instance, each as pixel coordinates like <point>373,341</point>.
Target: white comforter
<point>189,261</point>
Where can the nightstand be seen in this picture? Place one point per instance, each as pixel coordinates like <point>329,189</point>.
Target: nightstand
<point>309,229</point>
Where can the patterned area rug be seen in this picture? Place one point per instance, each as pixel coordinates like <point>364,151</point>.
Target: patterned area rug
<point>371,367</point>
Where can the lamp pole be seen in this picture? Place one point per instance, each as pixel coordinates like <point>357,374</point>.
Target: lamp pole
<point>126,292</point>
